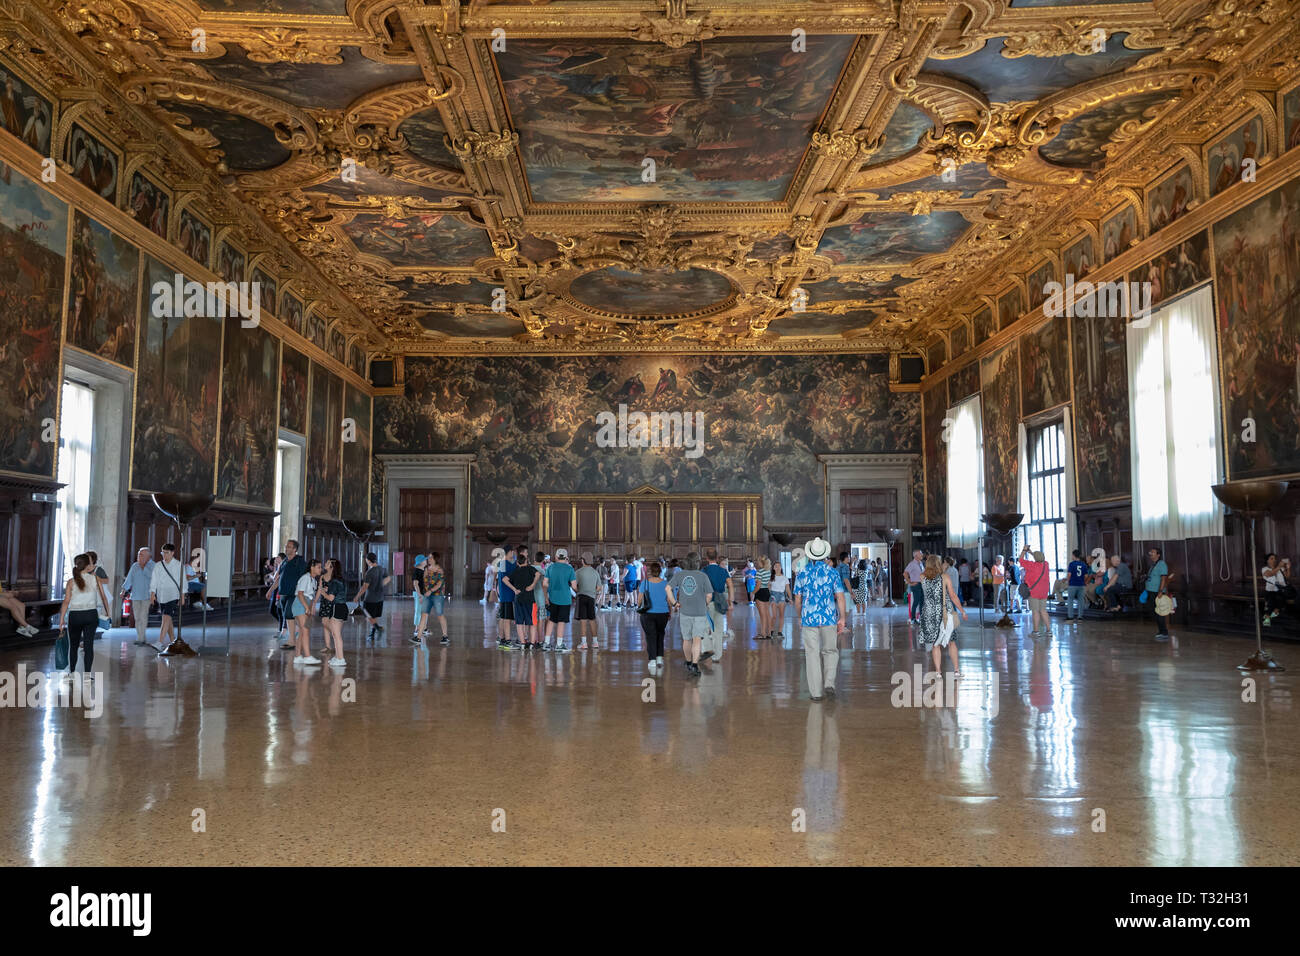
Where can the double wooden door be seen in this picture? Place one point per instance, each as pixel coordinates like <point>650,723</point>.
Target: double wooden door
<point>426,524</point>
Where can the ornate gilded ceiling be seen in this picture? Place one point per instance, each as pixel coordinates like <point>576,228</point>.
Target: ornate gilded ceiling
<point>597,175</point>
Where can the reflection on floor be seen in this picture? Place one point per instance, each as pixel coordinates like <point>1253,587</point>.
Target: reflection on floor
<point>1098,746</point>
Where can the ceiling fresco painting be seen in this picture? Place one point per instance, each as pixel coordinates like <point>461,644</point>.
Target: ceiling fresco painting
<point>652,174</point>
<point>726,120</point>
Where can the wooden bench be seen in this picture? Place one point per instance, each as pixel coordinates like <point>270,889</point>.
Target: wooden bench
<point>38,613</point>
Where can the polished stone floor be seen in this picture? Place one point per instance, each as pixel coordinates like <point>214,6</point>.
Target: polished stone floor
<point>1097,746</point>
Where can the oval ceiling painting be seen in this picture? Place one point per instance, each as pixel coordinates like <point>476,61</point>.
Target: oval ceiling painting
<point>650,293</point>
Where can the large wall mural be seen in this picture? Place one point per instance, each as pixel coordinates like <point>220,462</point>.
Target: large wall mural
<point>1257,257</point>
<point>102,296</point>
<point>1101,440</point>
<point>532,423</point>
<point>1000,404</point>
<point>935,403</point>
<point>356,455</point>
<point>250,379</point>
<point>33,249</point>
<point>1045,367</point>
<point>324,456</point>
<point>294,368</point>
<point>723,120</point>
<point>176,392</point>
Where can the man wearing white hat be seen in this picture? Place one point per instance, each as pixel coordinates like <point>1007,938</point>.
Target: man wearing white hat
<point>819,605</point>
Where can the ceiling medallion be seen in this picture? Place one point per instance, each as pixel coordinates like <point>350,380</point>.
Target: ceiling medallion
<point>674,29</point>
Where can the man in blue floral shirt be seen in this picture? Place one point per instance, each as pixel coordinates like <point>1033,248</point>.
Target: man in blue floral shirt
<point>819,605</point>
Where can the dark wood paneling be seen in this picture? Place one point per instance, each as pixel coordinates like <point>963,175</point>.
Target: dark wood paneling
<point>26,537</point>
<point>709,529</point>
<point>733,522</point>
<point>147,527</point>
<point>588,522</point>
<point>614,524</point>
<point>679,523</point>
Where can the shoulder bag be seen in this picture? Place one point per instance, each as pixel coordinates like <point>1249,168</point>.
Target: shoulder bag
<point>61,649</point>
<point>1025,589</point>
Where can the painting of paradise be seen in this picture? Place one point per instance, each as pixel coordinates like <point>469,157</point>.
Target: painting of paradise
<point>103,295</point>
<point>722,120</point>
<point>356,454</point>
<point>33,244</point>
<point>1257,265</point>
<point>1000,404</point>
<point>324,443</point>
<point>251,368</point>
<point>178,379</point>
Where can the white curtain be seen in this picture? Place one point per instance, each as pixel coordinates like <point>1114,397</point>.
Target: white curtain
<point>77,413</point>
<point>965,474</point>
<point>1174,421</point>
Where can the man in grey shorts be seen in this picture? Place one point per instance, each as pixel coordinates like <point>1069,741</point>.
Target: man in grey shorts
<point>692,590</point>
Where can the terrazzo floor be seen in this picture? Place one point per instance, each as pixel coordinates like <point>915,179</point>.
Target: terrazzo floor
<point>1096,746</point>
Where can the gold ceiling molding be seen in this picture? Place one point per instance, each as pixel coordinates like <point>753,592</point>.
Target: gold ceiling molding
<point>1211,54</point>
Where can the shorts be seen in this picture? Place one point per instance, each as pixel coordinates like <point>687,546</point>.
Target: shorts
<point>586,608</point>
<point>763,594</point>
<point>374,609</point>
<point>287,602</point>
<point>195,587</point>
<point>169,609</point>
<point>559,613</point>
<point>778,597</point>
<point>433,604</point>
<point>507,610</point>
<point>296,609</point>
<point>523,612</point>
<point>334,611</point>
<point>613,587</point>
<point>693,627</point>
<point>1037,604</point>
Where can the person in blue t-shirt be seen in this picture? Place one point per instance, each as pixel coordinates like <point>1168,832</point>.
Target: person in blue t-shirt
<point>655,621</point>
<point>630,584</point>
<point>505,601</point>
<point>559,578</point>
<point>1078,572</point>
<point>713,642</point>
<point>1157,585</point>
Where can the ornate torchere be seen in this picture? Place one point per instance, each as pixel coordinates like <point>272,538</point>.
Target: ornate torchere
<point>890,536</point>
<point>1252,499</point>
<point>182,508</point>
<point>1002,523</point>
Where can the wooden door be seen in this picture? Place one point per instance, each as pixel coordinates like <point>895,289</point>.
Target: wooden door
<point>426,523</point>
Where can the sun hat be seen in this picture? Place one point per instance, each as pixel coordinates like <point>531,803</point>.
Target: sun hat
<point>497,552</point>
<point>561,554</point>
<point>817,549</point>
<point>420,560</point>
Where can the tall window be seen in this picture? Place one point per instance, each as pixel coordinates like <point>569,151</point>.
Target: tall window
<point>1044,527</point>
<point>965,437</point>
<point>75,438</point>
<point>1174,418</point>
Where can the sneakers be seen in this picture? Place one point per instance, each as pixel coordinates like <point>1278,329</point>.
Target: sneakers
<point>547,647</point>
<point>706,655</point>
<point>287,646</point>
<point>338,662</point>
<point>28,631</point>
<point>1162,637</point>
<point>310,660</point>
<point>413,640</point>
<point>693,669</point>
<point>298,659</point>
<point>829,692</point>
<point>659,662</point>
<point>445,640</point>
<point>562,648</point>
<point>582,646</point>
<point>653,667</point>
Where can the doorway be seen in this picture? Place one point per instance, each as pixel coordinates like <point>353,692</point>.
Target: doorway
<point>426,524</point>
<point>288,490</point>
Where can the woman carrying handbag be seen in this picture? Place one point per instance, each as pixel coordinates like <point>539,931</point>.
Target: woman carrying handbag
<point>79,616</point>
